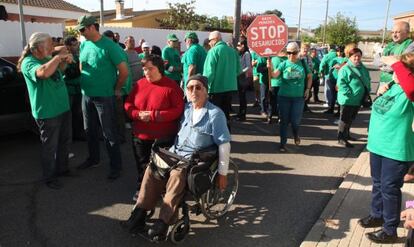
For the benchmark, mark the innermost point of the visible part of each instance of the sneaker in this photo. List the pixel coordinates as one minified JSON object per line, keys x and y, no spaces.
{"x":269,"y":120}
{"x":87,"y":164}
{"x":54,"y":185}
{"x":345,"y":143}
{"x":264,"y":115}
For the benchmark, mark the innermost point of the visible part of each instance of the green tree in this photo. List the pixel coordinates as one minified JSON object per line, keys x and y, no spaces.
{"x":182,"y":16}
{"x":340,"y":30}
{"x":273,"y":12}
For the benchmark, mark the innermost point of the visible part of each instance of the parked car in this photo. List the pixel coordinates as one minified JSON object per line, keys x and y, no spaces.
{"x":15,"y":113}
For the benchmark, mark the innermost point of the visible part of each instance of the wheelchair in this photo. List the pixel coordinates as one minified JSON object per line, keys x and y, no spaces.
{"x":213,"y":203}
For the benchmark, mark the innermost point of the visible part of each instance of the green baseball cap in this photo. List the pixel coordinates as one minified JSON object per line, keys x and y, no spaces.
{"x":84,"y":21}
{"x":172,"y":37}
{"x":191,"y":35}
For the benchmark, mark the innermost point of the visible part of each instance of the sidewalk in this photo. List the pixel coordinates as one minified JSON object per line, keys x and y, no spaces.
{"x":337,"y":225}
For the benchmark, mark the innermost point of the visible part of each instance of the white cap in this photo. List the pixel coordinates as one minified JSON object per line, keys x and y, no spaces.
{"x":145,"y":45}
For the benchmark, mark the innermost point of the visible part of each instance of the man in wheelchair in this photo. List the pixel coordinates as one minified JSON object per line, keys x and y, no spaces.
{"x":203,"y":125}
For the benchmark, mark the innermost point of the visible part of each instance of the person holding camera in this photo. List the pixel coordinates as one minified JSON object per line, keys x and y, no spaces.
{"x":49,"y":102}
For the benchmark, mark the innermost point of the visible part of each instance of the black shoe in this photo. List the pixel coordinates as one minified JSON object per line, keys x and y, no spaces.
{"x":370,"y":221}
{"x":68,"y":173}
{"x":345,"y":143}
{"x":241,"y":117}
{"x":297,"y":140}
{"x":113,"y":175}
{"x":329,"y":111}
{"x":282,"y":149}
{"x":87,"y":164}
{"x":380,"y":237}
{"x":352,"y":138}
{"x":158,"y":232}
{"x":54,"y":185}
{"x":269,"y":119}
{"x":136,"y":222}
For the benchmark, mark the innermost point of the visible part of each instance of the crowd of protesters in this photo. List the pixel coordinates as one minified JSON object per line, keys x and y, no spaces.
{"x":100,"y":87}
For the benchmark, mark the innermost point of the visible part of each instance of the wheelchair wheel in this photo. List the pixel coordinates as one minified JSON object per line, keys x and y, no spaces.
{"x":216,"y":203}
{"x":179,"y":231}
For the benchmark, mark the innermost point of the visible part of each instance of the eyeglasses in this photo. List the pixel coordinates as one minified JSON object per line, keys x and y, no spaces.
{"x":292,"y":52}
{"x":196,"y":87}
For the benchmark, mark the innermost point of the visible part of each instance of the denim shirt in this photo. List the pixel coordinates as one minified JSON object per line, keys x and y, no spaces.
{"x":210,"y":130}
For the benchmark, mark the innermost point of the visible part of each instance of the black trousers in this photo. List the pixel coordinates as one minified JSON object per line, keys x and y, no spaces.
{"x":242,"y":88}
{"x":347,"y":116}
{"x":142,"y":151}
{"x":315,"y":86}
{"x":223,"y":101}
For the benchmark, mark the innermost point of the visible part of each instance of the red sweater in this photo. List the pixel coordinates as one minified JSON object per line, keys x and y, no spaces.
{"x":164,"y":99}
{"x":406,"y":78}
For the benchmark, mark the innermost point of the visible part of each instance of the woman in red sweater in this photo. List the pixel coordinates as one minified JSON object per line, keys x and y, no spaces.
{"x":155,"y":105}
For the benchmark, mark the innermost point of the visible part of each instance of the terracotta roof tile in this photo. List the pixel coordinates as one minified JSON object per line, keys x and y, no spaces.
{"x":51,"y":4}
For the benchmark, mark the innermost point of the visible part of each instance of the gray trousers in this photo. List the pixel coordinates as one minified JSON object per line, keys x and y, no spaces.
{"x":55,"y":135}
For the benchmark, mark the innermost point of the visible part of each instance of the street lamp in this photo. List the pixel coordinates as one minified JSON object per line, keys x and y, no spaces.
{"x":386,"y":21}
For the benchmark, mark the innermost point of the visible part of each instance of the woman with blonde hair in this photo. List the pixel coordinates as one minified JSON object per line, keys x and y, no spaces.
{"x":49,"y":102}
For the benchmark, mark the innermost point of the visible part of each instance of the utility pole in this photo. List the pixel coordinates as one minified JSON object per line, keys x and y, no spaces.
{"x":101,"y":21}
{"x":300,"y":15}
{"x":22,"y":28}
{"x":326,"y":23}
{"x":236,"y":24}
{"x":386,"y":22}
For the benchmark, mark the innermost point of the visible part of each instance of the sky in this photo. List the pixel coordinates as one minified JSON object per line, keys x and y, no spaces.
{"x":369,"y":14}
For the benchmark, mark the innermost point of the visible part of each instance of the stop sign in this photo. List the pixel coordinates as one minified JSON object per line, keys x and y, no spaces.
{"x":267,"y":35}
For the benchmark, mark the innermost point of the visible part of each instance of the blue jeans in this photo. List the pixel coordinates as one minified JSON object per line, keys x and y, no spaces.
{"x":264,"y":90}
{"x":328,"y":91}
{"x":101,"y":111}
{"x":290,"y":111}
{"x":387,"y":180}
{"x":55,"y":137}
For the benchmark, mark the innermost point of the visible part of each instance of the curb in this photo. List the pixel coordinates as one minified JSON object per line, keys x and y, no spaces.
{"x":317,"y":232}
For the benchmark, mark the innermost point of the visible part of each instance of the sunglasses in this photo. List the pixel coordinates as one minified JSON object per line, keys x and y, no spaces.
{"x":196,"y":87}
{"x":292,"y":52}
{"x":82,"y":30}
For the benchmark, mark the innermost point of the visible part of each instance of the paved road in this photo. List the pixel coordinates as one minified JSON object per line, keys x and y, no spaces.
{"x":280,"y":195}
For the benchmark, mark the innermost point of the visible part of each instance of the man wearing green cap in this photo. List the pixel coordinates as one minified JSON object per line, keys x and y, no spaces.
{"x":171,"y":58}
{"x":103,"y":73}
{"x":193,"y":59}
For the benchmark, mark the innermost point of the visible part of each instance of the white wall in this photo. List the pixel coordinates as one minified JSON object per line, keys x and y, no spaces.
{"x":370,"y":49}
{"x":158,"y":37}
{"x":10,"y":39}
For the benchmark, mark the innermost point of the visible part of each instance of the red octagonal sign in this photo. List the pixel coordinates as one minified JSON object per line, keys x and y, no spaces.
{"x":267,"y":35}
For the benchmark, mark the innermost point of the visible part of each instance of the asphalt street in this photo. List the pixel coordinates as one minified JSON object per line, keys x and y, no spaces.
{"x":280,"y":195}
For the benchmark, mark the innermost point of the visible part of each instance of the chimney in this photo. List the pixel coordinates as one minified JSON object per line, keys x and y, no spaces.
{"x":119,"y":9}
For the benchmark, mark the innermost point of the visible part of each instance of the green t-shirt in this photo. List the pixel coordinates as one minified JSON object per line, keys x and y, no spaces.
{"x":195,"y":55}
{"x":315,"y":70}
{"x":126,"y":88}
{"x":99,"y":62}
{"x":393,"y":49}
{"x":350,"y":88}
{"x":293,"y":76}
{"x":72,"y":77}
{"x":275,"y":62}
{"x":390,"y":127}
{"x":222,"y":66}
{"x":255,"y":57}
{"x":171,"y":57}
{"x":49,"y":97}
